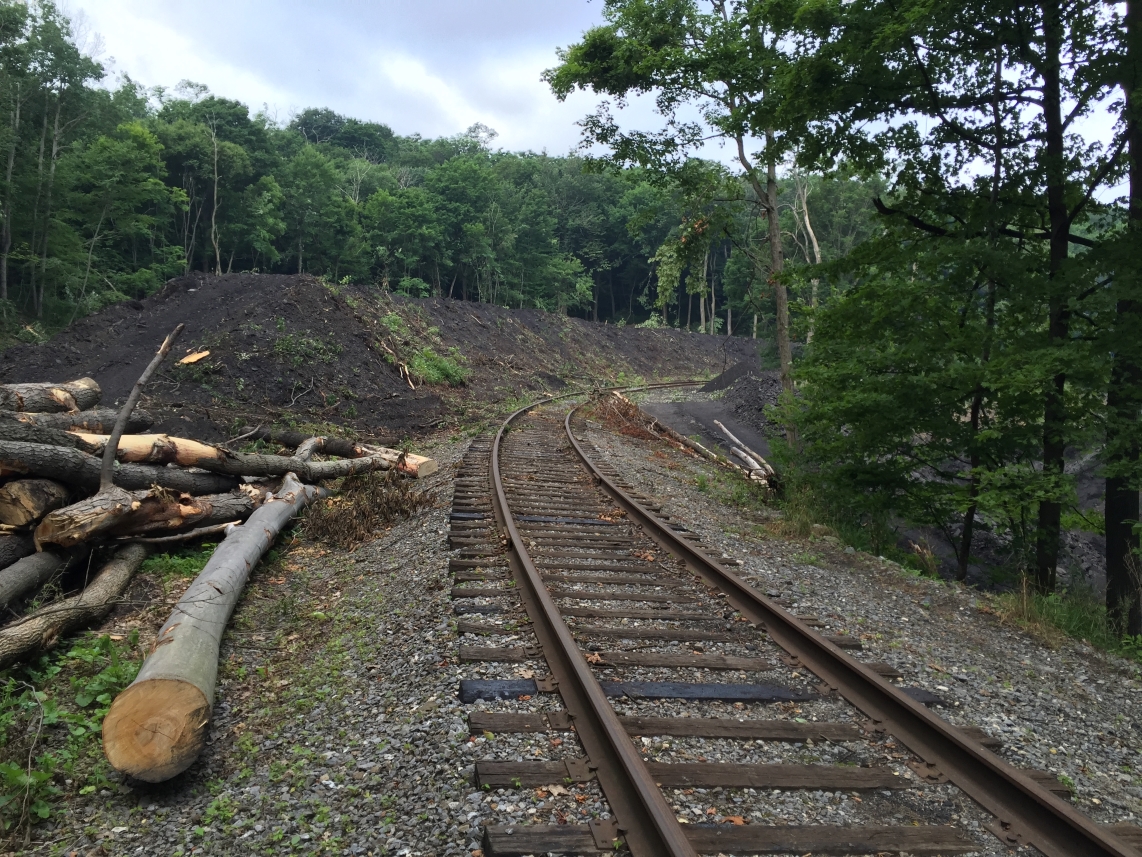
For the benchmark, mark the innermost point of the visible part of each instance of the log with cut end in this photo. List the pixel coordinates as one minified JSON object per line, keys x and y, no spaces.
{"x":157,"y":727}
{"x":75,"y":467}
{"x":34,"y":571}
{"x":42,"y":629}
{"x":122,"y":513}
{"x":163,"y":449}
{"x":50,"y":398}
{"x":14,"y":546}
{"x":98,"y":420}
{"x":24,"y":502}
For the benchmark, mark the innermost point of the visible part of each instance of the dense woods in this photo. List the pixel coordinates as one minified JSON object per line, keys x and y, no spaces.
{"x":982,"y":345}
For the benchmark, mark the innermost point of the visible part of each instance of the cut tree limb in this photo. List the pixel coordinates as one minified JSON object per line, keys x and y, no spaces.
{"x":75,"y":467}
{"x":43,"y":628}
{"x":14,"y":546}
{"x":293,"y":439}
{"x":157,"y":727}
{"x":759,"y":462}
{"x":161,"y":448}
{"x":25,"y":501}
{"x":50,"y":398}
{"x":143,"y":512}
{"x":98,"y":420}
{"x":34,"y":571}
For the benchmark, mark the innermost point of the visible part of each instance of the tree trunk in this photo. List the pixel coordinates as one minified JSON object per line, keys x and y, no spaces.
{"x":141,"y":512}
{"x":32,"y":572}
{"x":25,"y":502}
{"x":46,"y":626}
{"x":331,"y":445}
{"x":98,"y":420}
{"x":50,"y":398}
{"x":75,"y":467}
{"x":776,"y":264}
{"x":6,"y":232}
{"x":23,"y":433}
{"x":755,"y":325}
{"x":14,"y":546}
{"x":162,"y":449}
{"x":1124,"y":397}
{"x":1058,"y":332}
{"x":214,"y":208}
{"x":38,"y":296}
{"x":157,"y":727}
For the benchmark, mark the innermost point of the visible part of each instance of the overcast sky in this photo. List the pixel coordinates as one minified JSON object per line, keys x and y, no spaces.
{"x":432,"y":67}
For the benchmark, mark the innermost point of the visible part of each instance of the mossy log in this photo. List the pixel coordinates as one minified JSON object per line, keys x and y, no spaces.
{"x":41,"y":630}
{"x":75,"y":467}
{"x":98,"y":420}
{"x":24,"y":502}
{"x":163,"y":449}
{"x":157,"y":726}
{"x":34,"y":571}
{"x":50,"y":398}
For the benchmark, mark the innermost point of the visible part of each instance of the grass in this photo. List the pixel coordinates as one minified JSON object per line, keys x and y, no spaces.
{"x":431,"y":368}
{"x":1079,"y":615}
{"x":185,"y":563}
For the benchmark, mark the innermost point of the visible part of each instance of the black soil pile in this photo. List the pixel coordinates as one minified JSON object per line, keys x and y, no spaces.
{"x":292,"y":350}
{"x":750,"y":394}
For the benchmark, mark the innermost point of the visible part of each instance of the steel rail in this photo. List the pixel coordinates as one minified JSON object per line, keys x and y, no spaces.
{"x":645,"y":819}
{"x":1026,"y":813}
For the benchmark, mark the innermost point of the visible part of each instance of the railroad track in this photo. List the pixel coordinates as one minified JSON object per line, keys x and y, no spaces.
{"x":620,"y":630}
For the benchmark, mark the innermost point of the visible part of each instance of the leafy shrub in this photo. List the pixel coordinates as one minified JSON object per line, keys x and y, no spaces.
{"x":395,"y":323}
{"x":428,"y":367}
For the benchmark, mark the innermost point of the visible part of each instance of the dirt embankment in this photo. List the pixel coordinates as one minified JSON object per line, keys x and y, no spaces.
{"x":293,"y":350}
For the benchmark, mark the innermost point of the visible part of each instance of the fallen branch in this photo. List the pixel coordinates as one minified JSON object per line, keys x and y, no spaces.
{"x":157,"y":726}
{"x":34,"y":571}
{"x":14,"y":546}
{"x":333,"y":445}
{"x":41,"y":630}
{"x":50,"y":398}
{"x":745,"y":453}
{"x":99,"y":420}
{"x":188,"y":536}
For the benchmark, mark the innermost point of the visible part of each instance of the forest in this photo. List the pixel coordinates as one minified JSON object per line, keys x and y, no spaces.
{"x":932,"y":222}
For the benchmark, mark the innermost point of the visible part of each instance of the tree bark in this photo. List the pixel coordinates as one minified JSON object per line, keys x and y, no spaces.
{"x":98,"y":420}
{"x":42,"y":629}
{"x":15,"y":546}
{"x":332,"y":445}
{"x":162,"y":449}
{"x":50,"y":398}
{"x":143,"y":512}
{"x":157,"y":727}
{"x":24,"y":502}
{"x":75,"y":467}
{"x":34,"y":571}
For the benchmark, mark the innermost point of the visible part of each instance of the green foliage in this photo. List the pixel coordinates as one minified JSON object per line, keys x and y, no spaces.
{"x":1077,"y":614}
{"x":431,"y":368}
{"x":51,"y":715}
{"x":185,"y":563}
{"x":297,"y":350}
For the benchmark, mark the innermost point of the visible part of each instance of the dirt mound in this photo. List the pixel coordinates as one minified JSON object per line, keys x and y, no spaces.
{"x":750,"y":394}
{"x":294,"y":350}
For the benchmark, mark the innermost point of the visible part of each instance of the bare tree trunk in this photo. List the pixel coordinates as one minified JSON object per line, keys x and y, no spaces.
{"x":214,"y":209}
{"x":39,"y":191}
{"x":776,"y":264}
{"x":38,"y":294}
{"x":755,"y":325}
{"x":6,"y":232}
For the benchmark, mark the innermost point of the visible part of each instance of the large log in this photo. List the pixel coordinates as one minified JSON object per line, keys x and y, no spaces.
{"x":14,"y":546}
{"x":75,"y":467}
{"x":142,"y":512}
{"x":26,"y":501}
{"x":163,"y":449}
{"x":157,"y":726}
{"x":98,"y":420}
{"x":43,"y":628}
{"x":34,"y":571}
{"x":50,"y":398}
{"x":22,"y":432}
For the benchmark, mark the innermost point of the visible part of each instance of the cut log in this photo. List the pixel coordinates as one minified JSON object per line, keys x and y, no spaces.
{"x":333,"y":445}
{"x":14,"y":546}
{"x":157,"y":726}
{"x":75,"y":467}
{"x":50,"y":398}
{"x":98,"y":420}
{"x":24,"y":502}
{"x":34,"y":571}
{"x":163,"y":449}
{"x":140,"y":512}
{"x":43,"y":628}
{"x":23,"y":433}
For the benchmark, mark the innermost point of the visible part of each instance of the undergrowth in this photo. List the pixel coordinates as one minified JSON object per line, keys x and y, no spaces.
{"x":364,"y":504}
{"x":428,"y":367}
{"x":51,"y":716}
{"x":1077,"y":614}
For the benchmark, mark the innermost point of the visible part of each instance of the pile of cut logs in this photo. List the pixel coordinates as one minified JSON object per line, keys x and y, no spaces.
{"x":78,"y":482}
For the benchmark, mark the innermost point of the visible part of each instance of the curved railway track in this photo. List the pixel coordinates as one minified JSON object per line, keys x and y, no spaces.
{"x":632,"y":619}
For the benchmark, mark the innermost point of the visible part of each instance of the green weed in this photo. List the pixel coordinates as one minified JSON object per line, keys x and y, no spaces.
{"x":185,"y":563}
{"x":428,"y":367}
